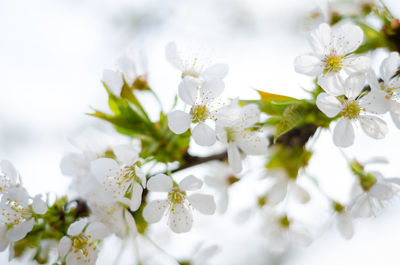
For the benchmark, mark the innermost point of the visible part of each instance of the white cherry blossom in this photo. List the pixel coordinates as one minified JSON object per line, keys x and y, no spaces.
{"x":283,"y":186}
{"x":355,"y":106}
{"x":122,"y":182}
{"x":79,"y":247}
{"x":371,"y":192}
{"x":236,"y":127}
{"x":113,"y":215}
{"x":344,"y":220}
{"x":200,"y":101}
{"x":221,"y":177}
{"x":390,"y":85}
{"x":8,"y":176}
{"x":17,"y":215}
{"x":208,"y":77}
{"x":332,"y":55}
{"x":283,"y":232}
{"x":178,"y":204}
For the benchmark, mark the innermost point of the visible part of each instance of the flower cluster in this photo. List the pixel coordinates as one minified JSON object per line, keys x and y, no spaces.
{"x":343,"y":75}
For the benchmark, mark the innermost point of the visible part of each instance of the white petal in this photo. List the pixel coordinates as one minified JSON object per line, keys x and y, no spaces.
{"x":18,"y":232}
{"x":211,"y":89}
{"x":74,"y":165}
{"x":173,"y":57}
{"x":179,"y":121}
{"x":347,"y":38}
{"x":187,"y":90}
{"x":361,"y":207}
{"x":300,"y":237}
{"x":331,"y":83}
{"x":113,"y":80}
{"x":375,"y":102}
{"x":9,"y":170}
{"x":395,"y":113}
{"x":203,"y":134}
{"x":131,"y":223}
{"x":328,"y":104}
{"x":160,"y":182}
{"x":76,"y":227}
{"x":141,"y":175}
{"x":38,"y":205}
{"x":180,"y":219}
{"x":320,"y":39}
{"x":136,"y":198}
{"x":103,"y":168}
{"x":345,"y":226}
{"x":381,"y":191}
{"x":234,"y":158}
{"x":97,"y":230}
{"x":299,"y":193}
{"x":126,"y":153}
{"x":357,"y":64}
{"x":11,"y":253}
{"x":190,"y":183}
{"x":373,"y":80}
{"x":127,"y":67}
{"x":354,"y":84}
{"x":154,"y":211}
{"x":389,"y":66}
{"x":64,"y":246}
{"x":249,"y":115}
{"x":343,"y":134}
{"x":4,"y":242}
{"x":253,"y":144}
{"x":277,"y":193}
{"x":216,"y":71}
{"x":308,"y":65}
{"x":373,"y":126}
{"x":203,"y":203}
{"x":18,"y":194}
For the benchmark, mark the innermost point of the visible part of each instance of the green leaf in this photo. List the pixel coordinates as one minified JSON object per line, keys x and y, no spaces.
{"x":293,"y":116}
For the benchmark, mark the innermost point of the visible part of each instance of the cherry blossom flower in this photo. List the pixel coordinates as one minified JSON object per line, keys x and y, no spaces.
{"x":8,"y":176}
{"x":344,"y":220}
{"x":200,"y":100}
{"x":178,"y":204}
{"x":390,"y":85}
{"x":283,"y":186}
{"x":124,"y":181}
{"x":371,"y":191}
{"x":240,"y":132}
{"x":221,"y":178}
{"x":17,"y":215}
{"x":283,"y":231}
{"x":333,"y":48}
{"x":209,"y":78}
{"x":355,"y":106}
{"x":113,"y":215}
{"x":79,"y":247}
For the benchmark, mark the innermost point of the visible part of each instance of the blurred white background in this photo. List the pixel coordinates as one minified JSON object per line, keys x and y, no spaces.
{"x":53,"y":52}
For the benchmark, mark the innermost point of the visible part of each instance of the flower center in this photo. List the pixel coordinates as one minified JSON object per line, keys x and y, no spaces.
{"x":351,"y":109}
{"x":337,"y":207}
{"x":199,"y":113}
{"x":14,"y":213}
{"x":176,"y":196}
{"x":367,"y":181}
{"x":333,"y":63}
{"x":284,"y":222}
{"x":84,"y":245}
